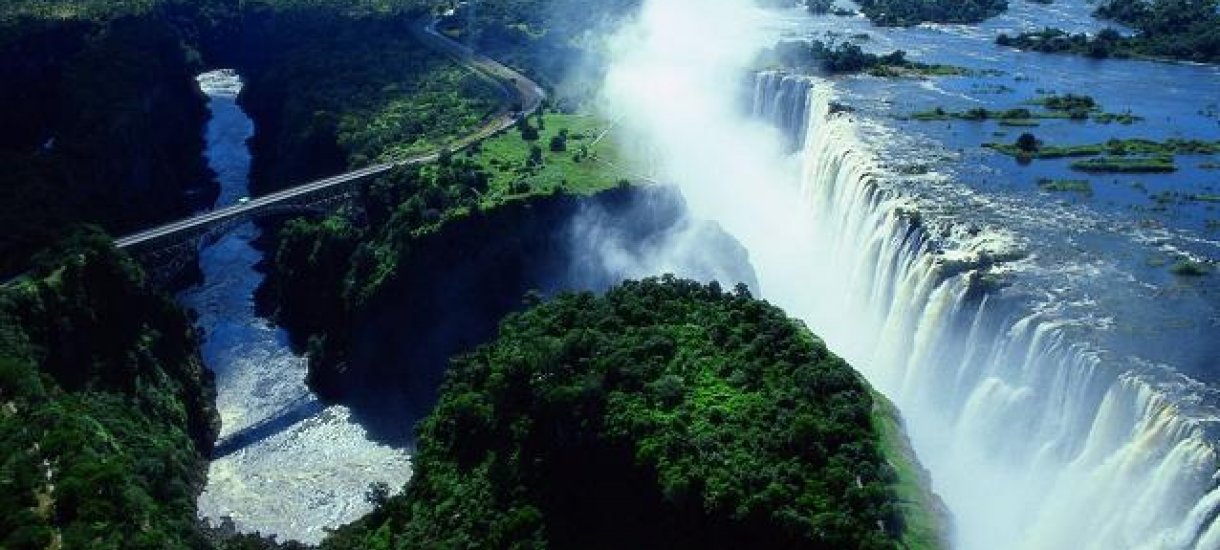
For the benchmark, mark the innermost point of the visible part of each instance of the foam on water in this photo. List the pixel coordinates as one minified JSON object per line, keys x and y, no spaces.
{"x":288,"y":465}
{"x":1035,"y":438}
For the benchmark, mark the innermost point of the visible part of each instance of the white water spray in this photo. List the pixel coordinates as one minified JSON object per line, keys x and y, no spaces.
{"x":1035,"y":440}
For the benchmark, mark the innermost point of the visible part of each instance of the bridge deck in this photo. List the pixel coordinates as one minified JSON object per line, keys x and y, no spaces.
{"x":528,"y":93}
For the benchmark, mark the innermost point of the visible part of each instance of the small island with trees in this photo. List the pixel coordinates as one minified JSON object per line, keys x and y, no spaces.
{"x":1166,"y":29}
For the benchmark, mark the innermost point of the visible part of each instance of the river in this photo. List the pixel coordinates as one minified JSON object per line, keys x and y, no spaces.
{"x":285,"y":464}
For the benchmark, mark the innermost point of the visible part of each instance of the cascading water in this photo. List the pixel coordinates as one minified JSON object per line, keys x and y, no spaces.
{"x":285,"y":464}
{"x":1034,"y":440}
{"x":783,"y":99}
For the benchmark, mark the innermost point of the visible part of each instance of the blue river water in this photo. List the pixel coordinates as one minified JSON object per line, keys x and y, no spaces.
{"x":1108,"y":252}
{"x":285,"y":464}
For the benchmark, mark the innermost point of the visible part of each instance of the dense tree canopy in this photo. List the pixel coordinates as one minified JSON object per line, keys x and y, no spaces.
{"x":1174,"y":29}
{"x":330,"y":91}
{"x":106,"y":411}
{"x":902,"y":13}
{"x":663,"y":414}
{"x":102,"y":121}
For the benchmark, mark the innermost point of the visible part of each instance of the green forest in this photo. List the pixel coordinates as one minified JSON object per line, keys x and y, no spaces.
{"x":331,"y":97}
{"x":105,"y":120}
{"x":664,"y":413}
{"x":1169,"y":29}
{"x":905,"y":13}
{"x":102,"y":122}
{"x":105,"y":408}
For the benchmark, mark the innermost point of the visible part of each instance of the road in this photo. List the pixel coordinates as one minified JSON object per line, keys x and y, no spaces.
{"x":522,"y":95}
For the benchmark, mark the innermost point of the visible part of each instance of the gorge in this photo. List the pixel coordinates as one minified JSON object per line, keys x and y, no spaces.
{"x":620,"y":320}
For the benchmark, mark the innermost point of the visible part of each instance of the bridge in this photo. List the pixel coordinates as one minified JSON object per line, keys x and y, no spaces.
{"x":166,"y":244}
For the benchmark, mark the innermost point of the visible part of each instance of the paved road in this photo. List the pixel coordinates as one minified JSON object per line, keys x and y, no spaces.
{"x":522,"y":96}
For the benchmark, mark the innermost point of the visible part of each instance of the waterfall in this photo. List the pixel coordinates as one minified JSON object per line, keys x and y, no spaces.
{"x":783,"y":100}
{"x":1035,"y":438}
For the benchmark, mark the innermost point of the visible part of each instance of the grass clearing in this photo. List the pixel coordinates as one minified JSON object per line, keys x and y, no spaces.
{"x":584,"y":166}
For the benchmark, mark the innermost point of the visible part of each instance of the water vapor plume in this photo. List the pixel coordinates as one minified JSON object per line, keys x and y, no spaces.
{"x":675,"y":83}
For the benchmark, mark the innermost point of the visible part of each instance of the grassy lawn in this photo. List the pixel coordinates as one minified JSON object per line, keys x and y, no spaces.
{"x":507,"y":158}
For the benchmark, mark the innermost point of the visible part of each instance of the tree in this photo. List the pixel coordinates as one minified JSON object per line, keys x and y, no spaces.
{"x":559,"y":142}
{"x":528,"y":131}
{"x":1027,"y":142}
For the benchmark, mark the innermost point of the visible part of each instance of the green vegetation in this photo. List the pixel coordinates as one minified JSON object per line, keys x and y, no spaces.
{"x":329,"y":97}
{"x":1173,"y":29}
{"x":1068,"y":106}
{"x":1116,"y":155}
{"x":557,"y":43}
{"x":848,"y":57}
{"x":1081,"y":187}
{"x":412,"y":202}
{"x":105,"y":408}
{"x":578,"y":162}
{"x":1189,"y":268}
{"x":925,"y":518}
{"x":905,"y":13}
{"x":1068,"y":102}
{"x":340,"y":265}
{"x":1107,"y":43}
{"x":102,"y":119}
{"x":1142,"y":165}
{"x":665,"y":413}
{"x":1120,"y":147}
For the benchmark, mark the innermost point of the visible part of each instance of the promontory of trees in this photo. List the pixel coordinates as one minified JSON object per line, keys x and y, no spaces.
{"x":665,"y":413}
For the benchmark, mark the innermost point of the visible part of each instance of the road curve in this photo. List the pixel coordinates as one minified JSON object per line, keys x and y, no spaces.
{"x":523,"y":96}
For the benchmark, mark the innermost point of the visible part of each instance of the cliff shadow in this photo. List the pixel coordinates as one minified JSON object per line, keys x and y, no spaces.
{"x":460,"y":282}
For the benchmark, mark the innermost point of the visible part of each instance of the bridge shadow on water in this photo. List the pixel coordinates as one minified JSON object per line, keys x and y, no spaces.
{"x":302,"y":408}
{"x":387,"y":421}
